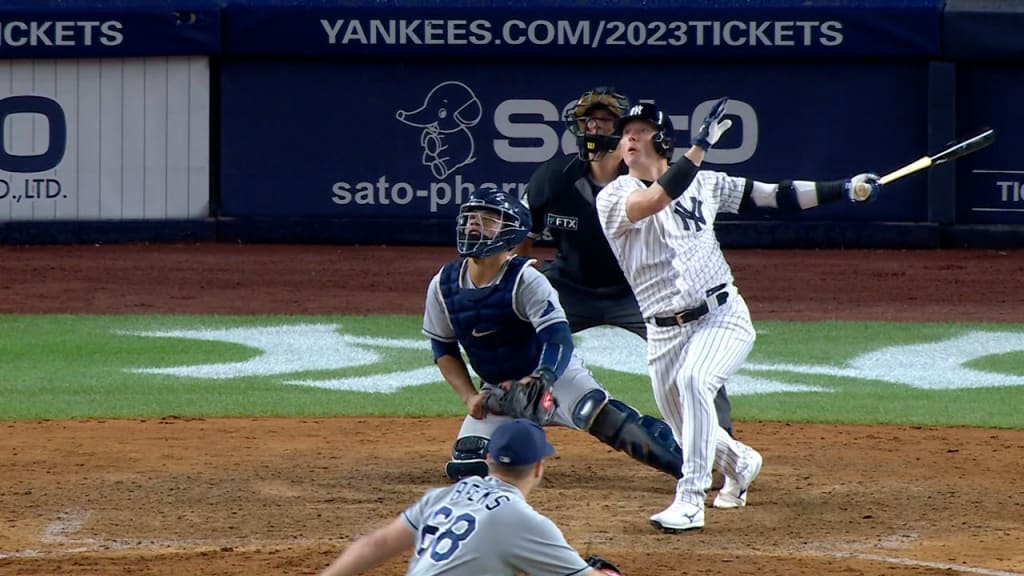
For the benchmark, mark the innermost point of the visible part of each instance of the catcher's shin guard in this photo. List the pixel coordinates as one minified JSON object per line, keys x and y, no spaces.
{"x":469,"y":458}
{"x":644,"y":438}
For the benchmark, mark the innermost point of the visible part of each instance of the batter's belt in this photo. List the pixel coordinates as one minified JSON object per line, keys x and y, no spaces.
{"x":717,"y":295}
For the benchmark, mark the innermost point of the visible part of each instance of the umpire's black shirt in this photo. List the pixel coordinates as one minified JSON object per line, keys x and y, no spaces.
{"x":561,"y":198}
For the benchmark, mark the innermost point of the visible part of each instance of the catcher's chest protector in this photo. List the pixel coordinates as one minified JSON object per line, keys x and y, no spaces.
{"x":500,"y":345}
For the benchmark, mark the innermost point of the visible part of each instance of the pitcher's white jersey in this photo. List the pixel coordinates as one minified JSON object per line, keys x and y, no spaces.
{"x":484,"y":527}
{"x":672,"y":257}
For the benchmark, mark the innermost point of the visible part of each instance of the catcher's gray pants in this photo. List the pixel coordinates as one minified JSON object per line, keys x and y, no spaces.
{"x":574,"y":383}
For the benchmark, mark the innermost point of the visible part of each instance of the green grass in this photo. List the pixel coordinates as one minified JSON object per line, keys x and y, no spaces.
{"x":62,"y":366}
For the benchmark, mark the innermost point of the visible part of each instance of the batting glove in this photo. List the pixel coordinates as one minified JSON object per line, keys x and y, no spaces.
{"x":863,"y":187}
{"x":713,"y":126}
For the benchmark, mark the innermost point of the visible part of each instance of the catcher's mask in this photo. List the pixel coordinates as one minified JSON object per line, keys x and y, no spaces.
{"x":491,"y":221}
{"x":577,"y":116}
{"x":649,"y":113}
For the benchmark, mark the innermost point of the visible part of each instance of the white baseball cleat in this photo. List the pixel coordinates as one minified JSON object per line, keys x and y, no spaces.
{"x":679,"y":517}
{"x":734,"y":491}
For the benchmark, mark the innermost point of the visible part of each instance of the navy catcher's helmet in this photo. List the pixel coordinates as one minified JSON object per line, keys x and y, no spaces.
{"x":650,"y":113}
{"x":576,"y":119}
{"x":509,"y":218}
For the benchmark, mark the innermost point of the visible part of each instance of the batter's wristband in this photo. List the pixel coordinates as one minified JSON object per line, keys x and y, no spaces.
{"x":831,"y":191}
{"x":678,"y":177}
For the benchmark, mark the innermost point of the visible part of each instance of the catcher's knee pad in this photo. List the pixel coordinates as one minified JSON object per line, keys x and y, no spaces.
{"x":469,"y":458}
{"x":587,"y":408}
{"x":644,"y":438}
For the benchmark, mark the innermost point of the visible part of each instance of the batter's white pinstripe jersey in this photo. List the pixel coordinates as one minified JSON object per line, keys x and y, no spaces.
{"x":672,"y":257}
{"x":671,"y":260}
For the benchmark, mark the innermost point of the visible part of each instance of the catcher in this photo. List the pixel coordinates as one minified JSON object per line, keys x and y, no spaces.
{"x":506,"y":317}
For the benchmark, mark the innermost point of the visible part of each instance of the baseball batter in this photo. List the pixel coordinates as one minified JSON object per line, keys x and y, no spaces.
{"x":659,"y":220}
{"x":508,"y":320}
{"x":479,"y":525}
{"x":561,"y":197}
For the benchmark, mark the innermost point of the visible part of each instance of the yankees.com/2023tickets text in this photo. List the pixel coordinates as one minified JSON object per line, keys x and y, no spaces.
{"x":592,"y":33}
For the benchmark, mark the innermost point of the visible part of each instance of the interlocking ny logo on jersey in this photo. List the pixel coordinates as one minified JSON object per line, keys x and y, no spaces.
{"x":696,"y":214}
{"x":563,"y":222}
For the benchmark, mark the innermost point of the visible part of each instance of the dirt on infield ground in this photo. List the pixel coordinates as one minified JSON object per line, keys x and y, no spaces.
{"x":177,"y":496}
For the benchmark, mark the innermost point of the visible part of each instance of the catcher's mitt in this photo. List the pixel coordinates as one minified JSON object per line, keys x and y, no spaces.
{"x":531,"y":399}
{"x":602,"y":565}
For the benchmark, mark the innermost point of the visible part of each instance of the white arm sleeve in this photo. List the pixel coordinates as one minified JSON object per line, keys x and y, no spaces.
{"x":766,"y":195}
{"x":436,"y":323}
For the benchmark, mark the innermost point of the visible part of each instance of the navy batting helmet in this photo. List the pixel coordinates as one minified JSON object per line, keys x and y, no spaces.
{"x":649,"y":112}
{"x":491,"y":221}
{"x":576,"y":119}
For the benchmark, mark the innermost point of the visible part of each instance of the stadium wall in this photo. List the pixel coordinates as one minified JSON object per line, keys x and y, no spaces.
{"x":368,"y":122}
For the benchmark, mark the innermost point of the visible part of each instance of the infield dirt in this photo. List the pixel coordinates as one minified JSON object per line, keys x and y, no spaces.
{"x":268,"y":495}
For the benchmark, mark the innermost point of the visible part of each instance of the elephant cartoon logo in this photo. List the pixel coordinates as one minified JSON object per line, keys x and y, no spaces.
{"x":448,"y":111}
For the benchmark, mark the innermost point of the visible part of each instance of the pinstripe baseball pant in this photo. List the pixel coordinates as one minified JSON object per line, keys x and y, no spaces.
{"x":688,"y":365}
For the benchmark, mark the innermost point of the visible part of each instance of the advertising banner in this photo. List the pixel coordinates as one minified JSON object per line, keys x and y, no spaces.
{"x":389,"y":141}
{"x":973,"y":30}
{"x":564,"y":29}
{"x":990,"y":183}
{"x":91,"y":29}
{"x":110,"y":139}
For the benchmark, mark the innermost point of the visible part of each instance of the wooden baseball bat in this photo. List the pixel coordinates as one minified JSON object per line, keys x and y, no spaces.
{"x":916,"y":165}
{"x":957,"y":150}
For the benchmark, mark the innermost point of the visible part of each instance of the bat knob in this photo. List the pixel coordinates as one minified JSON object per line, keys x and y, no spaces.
{"x":862,"y":186}
{"x":861,"y":191}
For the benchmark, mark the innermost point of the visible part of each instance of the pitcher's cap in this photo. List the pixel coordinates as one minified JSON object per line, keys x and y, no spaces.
{"x":518,"y":443}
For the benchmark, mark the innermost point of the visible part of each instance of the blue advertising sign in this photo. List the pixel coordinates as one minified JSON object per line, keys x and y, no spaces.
{"x":373,"y":140}
{"x":569,"y":29}
{"x":990,"y":183}
{"x":973,"y":30}
{"x":56,"y":134}
{"x":111,"y":28}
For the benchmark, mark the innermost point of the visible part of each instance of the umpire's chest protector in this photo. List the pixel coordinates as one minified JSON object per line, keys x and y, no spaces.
{"x":500,"y":345}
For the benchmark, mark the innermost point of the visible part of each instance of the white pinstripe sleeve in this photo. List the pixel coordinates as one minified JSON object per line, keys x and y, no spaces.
{"x":537,"y":301}
{"x":611,"y":206}
{"x":436,"y":323}
{"x":726,"y":190}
